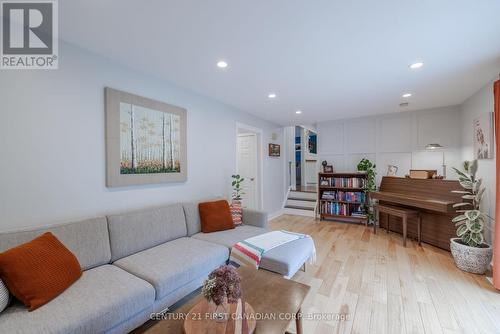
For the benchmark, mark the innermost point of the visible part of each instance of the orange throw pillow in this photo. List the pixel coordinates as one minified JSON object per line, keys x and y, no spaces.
{"x":215,"y":216}
{"x":38,"y":271}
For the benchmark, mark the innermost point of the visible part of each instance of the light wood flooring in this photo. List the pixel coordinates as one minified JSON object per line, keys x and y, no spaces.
{"x":383,"y":287}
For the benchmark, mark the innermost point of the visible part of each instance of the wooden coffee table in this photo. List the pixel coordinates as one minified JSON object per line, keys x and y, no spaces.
{"x":271,"y":296}
{"x":200,"y":319}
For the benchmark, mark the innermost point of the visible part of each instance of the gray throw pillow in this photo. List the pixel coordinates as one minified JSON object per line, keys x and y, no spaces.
{"x":4,"y":296}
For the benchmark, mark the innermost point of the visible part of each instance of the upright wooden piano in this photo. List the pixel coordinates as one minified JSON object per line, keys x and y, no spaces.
{"x":432,"y":197}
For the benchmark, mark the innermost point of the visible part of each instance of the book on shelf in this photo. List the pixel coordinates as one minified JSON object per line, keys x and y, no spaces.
{"x":346,"y":196}
{"x":342,"y":182}
{"x":342,"y":209}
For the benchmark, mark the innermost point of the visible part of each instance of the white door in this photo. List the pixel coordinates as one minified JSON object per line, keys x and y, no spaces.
{"x":247,"y":168}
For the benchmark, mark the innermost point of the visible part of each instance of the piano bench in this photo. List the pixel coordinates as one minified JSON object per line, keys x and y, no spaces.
{"x":402,"y":213}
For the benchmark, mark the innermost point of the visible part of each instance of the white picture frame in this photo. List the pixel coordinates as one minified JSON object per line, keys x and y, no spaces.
{"x":156,"y":153}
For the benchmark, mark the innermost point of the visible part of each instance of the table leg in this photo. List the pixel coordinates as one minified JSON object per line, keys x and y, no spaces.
{"x":388,"y":218}
{"x":404,"y":230}
{"x":377,"y":219}
{"x":298,"y":322}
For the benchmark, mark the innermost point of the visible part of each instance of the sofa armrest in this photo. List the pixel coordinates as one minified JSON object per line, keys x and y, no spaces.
{"x":254,"y":218}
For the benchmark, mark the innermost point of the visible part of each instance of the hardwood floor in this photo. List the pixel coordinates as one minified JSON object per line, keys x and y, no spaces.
{"x":383,"y":287}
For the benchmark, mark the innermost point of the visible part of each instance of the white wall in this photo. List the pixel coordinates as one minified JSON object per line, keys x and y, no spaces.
{"x":397,"y":139}
{"x":480,"y":103}
{"x":53,"y":151}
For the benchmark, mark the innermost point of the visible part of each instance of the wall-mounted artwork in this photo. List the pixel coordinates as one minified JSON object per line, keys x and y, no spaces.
{"x":274,"y":150}
{"x":145,"y":140}
{"x":483,"y":137}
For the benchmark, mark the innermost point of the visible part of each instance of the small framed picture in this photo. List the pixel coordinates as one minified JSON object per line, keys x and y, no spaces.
{"x":328,"y":169}
{"x":392,"y":170}
{"x":483,"y":136}
{"x":274,"y":150}
{"x":324,"y":183}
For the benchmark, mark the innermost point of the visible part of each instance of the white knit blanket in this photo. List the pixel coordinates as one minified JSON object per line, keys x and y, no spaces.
{"x":251,"y":250}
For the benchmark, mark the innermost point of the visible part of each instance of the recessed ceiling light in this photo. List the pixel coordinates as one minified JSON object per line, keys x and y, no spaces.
{"x":407,"y":95}
{"x":414,"y":66}
{"x":271,"y":96}
{"x":222,"y":64}
{"x":298,"y":112}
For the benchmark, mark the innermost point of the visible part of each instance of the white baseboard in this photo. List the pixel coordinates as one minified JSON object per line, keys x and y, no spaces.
{"x":273,"y":215}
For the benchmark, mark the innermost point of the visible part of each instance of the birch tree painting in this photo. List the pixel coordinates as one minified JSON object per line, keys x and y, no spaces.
{"x":149,"y":140}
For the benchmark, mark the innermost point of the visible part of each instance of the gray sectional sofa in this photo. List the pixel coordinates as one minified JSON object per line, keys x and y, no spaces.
{"x":133,"y":264}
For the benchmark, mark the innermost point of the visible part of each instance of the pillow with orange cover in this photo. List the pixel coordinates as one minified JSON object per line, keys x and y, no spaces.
{"x":38,"y":271}
{"x":215,"y":216}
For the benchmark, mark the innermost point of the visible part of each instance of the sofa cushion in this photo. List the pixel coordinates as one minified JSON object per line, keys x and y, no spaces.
{"x":215,"y":216}
{"x":133,"y":232}
{"x":87,"y":239}
{"x":102,"y":298}
{"x":171,"y":265}
{"x":38,"y":271}
{"x":192,"y":218}
{"x":192,"y":214}
{"x":229,"y":237}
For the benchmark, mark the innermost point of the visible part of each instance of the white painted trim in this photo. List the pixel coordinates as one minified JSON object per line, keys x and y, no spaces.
{"x":260,"y":156}
{"x":286,"y":197}
{"x":285,"y":165}
{"x":274,"y":215}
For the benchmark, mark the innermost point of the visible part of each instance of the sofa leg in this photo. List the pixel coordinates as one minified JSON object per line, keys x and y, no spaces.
{"x":303,"y":268}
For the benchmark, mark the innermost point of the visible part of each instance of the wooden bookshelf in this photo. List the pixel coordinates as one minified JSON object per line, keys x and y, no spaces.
{"x":342,"y":197}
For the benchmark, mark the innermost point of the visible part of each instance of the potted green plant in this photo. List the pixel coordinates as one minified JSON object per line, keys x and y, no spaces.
{"x":236,"y":210}
{"x":469,"y":249}
{"x":369,"y":167}
{"x":237,"y":188}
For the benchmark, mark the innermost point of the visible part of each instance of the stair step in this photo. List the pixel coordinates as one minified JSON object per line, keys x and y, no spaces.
{"x":298,"y":212}
{"x":298,"y":207}
{"x":301,"y":203}
{"x":302,"y":199}
{"x":303,"y":195}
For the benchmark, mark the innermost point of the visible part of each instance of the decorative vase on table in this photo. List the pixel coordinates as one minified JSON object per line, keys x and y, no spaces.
{"x":221,"y":288}
{"x":220,"y":312}
{"x":470,"y":252}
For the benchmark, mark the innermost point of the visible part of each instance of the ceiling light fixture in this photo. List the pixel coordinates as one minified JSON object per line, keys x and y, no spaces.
{"x":298,"y":112}
{"x":222,"y":64}
{"x":271,"y":96}
{"x":414,"y":66}
{"x":407,"y":95}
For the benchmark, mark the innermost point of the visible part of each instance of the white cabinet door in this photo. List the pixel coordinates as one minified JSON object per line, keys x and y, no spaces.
{"x":247,"y":168}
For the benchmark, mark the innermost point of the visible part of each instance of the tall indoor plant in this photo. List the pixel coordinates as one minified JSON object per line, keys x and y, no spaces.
{"x":369,"y":167}
{"x":469,"y":250}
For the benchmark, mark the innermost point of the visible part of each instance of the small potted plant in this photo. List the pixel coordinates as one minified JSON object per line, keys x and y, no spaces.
{"x":469,"y":250}
{"x":236,"y":209}
{"x":222,"y":287}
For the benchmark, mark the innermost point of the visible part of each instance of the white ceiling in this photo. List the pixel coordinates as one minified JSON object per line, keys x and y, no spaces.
{"x":332,"y":59}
